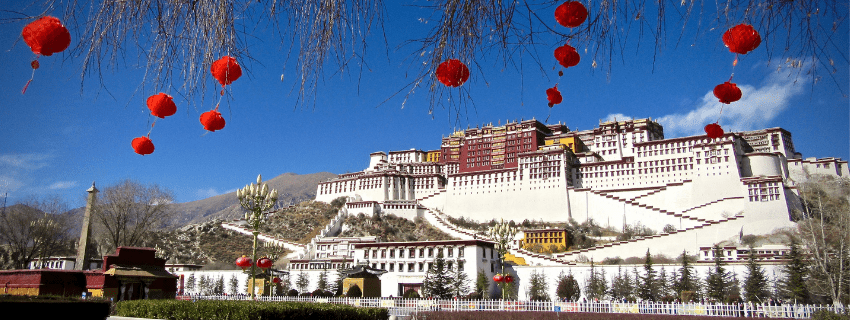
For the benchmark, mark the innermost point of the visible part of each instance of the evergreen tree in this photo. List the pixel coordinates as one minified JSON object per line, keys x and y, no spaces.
{"x":794,"y":284}
{"x":302,"y":282}
{"x":568,"y":287}
{"x":322,"y":283}
{"x":482,"y":284}
{"x":596,"y":287}
{"x":340,"y":276}
{"x":234,"y":285}
{"x":460,"y":285}
{"x":537,"y":290}
{"x":717,"y":282}
{"x":190,"y":283}
{"x":648,"y":288}
{"x":685,"y":285}
{"x":621,"y":286}
{"x":733,"y":289}
{"x":755,"y":282}
{"x":663,"y":285}
{"x":438,"y":280}
{"x":219,"y":285}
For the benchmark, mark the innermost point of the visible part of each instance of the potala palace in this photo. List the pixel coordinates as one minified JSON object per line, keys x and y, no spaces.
{"x":622,"y":172}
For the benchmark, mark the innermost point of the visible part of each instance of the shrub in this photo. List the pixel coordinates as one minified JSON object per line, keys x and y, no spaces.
{"x":54,"y":306}
{"x":828,"y":315}
{"x":354,"y":292}
{"x":215,"y":310}
{"x":411,"y":294}
{"x":292,"y":293}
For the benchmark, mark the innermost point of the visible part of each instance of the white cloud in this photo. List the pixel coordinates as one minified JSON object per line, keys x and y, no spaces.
{"x":211,"y":192}
{"x":756,"y":109}
{"x":617,"y":117}
{"x":63,"y":185}
{"x":27,"y":161}
{"x":8,"y":183}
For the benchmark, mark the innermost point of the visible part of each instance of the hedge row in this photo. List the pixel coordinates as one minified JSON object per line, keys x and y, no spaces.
{"x":244,"y":310}
{"x":53,"y":307}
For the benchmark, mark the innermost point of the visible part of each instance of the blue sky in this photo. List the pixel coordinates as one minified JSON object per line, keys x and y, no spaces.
{"x":57,"y":139}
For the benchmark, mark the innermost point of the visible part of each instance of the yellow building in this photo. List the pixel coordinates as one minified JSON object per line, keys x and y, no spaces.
{"x":433,"y":156}
{"x":547,"y":238}
{"x":573,"y":142}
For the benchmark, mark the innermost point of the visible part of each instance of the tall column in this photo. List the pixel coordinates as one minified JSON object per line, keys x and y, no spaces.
{"x":82,"y":262}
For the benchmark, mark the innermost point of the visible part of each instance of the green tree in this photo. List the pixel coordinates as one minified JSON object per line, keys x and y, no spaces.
{"x":190,"y":283}
{"x":685,"y":285}
{"x":322,"y":283}
{"x":596,"y":287}
{"x":537,"y":287}
{"x":621,"y":286}
{"x":755,"y":281}
{"x":460,"y":284}
{"x":793,"y":285}
{"x":717,"y":281}
{"x":219,"y":285}
{"x":663,"y":286}
{"x":234,"y":285}
{"x":482,"y":284}
{"x":438,"y":280}
{"x":733,"y":289}
{"x":648,"y":287}
{"x":568,"y":287}
{"x":302,"y":282}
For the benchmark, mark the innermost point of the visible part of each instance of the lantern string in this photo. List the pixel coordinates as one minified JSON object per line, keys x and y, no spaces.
{"x":721,"y":113}
{"x":151,"y":129}
{"x":24,"y":90}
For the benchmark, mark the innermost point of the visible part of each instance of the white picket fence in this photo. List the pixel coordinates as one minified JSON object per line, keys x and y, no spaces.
{"x":406,"y":307}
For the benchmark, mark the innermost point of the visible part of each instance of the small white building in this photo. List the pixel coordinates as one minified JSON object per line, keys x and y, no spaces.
{"x":407,"y":263}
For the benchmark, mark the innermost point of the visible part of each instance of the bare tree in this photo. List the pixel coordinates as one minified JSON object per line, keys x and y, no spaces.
{"x":34,"y":229}
{"x":128,"y":212}
{"x":824,"y":231}
{"x":177,"y":40}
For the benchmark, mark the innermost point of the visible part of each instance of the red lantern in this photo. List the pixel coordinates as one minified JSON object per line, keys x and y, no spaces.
{"x":727,"y":92}
{"x":276,"y":280}
{"x":497,"y":278}
{"x":452,"y":73}
{"x":571,"y":14}
{"x":264,"y":263}
{"x":161,"y":105}
{"x":226,"y":70}
{"x":554,"y":96}
{"x":143,"y":145}
{"x":243,"y":262}
{"x":509,"y":279}
{"x":46,"y":36}
{"x":567,"y":56}
{"x":212,"y":120}
{"x":742,"y":38}
{"x":713,"y":130}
